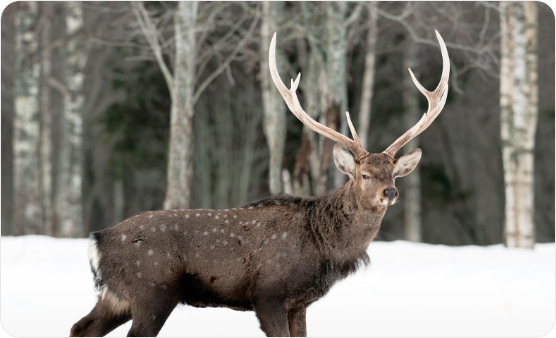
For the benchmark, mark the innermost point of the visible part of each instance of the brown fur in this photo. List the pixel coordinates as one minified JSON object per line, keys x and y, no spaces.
{"x":275,"y":256}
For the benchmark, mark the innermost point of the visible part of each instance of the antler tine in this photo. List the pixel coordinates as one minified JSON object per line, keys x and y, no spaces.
{"x":290,"y":96}
{"x":436,"y":99}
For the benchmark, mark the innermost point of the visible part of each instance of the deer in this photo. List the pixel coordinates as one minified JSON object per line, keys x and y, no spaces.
{"x":275,"y":256}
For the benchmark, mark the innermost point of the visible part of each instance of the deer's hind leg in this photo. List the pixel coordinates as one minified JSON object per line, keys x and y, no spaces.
{"x":150,"y":313}
{"x":109,"y":313}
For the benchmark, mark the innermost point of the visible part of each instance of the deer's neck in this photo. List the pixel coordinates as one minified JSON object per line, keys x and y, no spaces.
{"x":341,"y":227}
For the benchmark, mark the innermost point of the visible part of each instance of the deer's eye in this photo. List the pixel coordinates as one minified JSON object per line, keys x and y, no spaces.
{"x":365,"y":177}
{"x":394,"y":176}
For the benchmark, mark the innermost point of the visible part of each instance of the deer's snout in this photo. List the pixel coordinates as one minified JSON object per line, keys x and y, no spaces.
{"x":390,"y":193}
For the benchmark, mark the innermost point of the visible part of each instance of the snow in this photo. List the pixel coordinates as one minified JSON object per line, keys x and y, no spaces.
{"x":410,"y":289}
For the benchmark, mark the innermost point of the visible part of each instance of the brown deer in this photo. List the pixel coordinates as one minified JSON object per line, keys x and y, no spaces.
{"x":275,"y":256}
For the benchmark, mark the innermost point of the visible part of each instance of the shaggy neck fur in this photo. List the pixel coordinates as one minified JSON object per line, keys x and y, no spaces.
{"x":341,"y":230}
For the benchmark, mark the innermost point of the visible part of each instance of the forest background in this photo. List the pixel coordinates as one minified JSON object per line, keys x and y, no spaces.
{"x":93,"y":91}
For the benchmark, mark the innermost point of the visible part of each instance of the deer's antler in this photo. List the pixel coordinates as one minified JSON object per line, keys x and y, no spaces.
{"x":436,"y":99}
{"x":292,"y":101}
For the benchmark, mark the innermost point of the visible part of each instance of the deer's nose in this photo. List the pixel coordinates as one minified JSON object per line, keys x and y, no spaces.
{"x":390,"y":193}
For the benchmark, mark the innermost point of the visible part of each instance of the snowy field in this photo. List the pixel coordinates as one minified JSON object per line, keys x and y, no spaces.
{"x":409,"y":290}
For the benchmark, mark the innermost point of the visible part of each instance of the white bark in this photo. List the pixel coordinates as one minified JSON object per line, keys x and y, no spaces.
{"x":519,"y":110}
{"x":273,"y":105}
{"x":47,"y":197}
{"x":336,"y":88}
{"x":180,"y":165}
{"x":69,"y":201}
{"x":412,"y":199}
{"x":27,"y":215}
{"x":368,"y":76}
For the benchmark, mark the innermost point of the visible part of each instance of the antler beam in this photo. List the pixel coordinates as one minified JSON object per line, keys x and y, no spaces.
{"x":436,"y":99}
{"x":292,"y":101}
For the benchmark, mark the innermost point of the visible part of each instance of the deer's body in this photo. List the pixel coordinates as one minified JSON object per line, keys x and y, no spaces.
{"x":275,"y":256}
{"x":290,"y":249}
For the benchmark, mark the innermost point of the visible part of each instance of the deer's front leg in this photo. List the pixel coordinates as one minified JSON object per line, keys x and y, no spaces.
{"x":297,"y":323}
{"x":272,"y":316}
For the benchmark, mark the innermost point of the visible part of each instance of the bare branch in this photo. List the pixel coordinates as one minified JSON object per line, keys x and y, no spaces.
{"x":229,"y":59}
{"x":150,"y":32}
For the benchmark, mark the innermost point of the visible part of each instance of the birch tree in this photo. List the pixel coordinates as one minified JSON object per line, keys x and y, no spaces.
{"x":369,"y":74}
{"x":273,"y":105}
{"x":46,"y":173}
{"x":518,"y":117}
{"x":336,"y":89}
{"x":183,"y":87}
{"x":8,"y":113}
{"x":27,"y":215}
{"x":69,"y":198}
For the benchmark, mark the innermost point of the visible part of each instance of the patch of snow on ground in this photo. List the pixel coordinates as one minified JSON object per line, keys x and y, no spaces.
{"x":415,"y":290}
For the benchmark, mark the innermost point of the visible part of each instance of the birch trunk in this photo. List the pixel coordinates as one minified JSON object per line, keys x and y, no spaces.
{"x":519,"y":111}
{"x":336,"y":46}
{"x":69,"y":202}
{"x":368,"y":76}
{"x":46,"y":120}
{"x":8,"y":113}
{"x":412,"y":191}
{"x":273,"y":105}
{"x":27,"y":215}
{"x":311,"y":90}
{"x":180,"y":161}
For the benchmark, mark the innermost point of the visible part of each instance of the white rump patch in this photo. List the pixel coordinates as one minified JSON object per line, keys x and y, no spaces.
{"x":94,"y":255}
{"x":117,"y":304}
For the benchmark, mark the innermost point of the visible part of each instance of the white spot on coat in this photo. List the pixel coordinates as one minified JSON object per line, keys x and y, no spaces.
{"x":273,"y":236}
{"x":163,"y":228}
{"x":123,"y":237}
{"x":197,"y":214}
{"x":205,"y":233}
{"x":153,"y":229}
{"x":216,"y":217}
{"x":284,"y":235}
{"x":232,"y":235}
{"x":150,"y":252}
{"x":187,"y":216}
{"x":138,"y":263}
{"x":141,"y":227}
{"x":151,"y":216}
{"x":227,"y":222}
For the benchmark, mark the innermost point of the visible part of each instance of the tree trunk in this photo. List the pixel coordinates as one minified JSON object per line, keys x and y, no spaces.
{"x":69,"y":199}
{"x":336,"y":88}
{"x":8,"y":113}
{"x":27,"y":210}
{"x":518,"y":116}
{"x":412,"y":191}
{"x":368,"y":76}
{"x":46,"y":120}
{"x":180,"y":158}
{"x":273,"y":105}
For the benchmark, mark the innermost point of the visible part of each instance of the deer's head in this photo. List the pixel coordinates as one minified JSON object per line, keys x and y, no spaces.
{"x":372,"y":176}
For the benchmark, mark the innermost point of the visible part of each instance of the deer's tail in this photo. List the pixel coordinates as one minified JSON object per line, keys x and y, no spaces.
{"x":94,"y":259}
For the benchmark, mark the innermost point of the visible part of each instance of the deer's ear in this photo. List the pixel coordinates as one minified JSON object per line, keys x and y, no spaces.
{"x":406,"y":163}
{"x":344,"y":160}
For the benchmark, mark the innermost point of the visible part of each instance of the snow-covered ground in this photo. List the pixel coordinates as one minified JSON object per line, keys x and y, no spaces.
{"x":414,"y":290}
